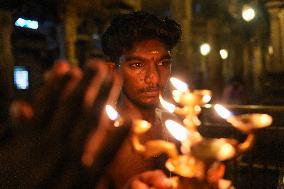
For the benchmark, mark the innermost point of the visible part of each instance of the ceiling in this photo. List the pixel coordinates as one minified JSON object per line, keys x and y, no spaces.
{"x":48,"y":9}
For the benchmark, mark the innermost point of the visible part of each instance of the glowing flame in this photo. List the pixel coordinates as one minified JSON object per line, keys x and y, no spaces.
{"x":222,"y":111}
{"x":206,"y":98}
{"x":265,"y":119}
{"x":178,"y":84}
{"x":177,"y":130}
{"x":168,"y":106}
{"x":177,"y":95}
{"x":111,"y":112}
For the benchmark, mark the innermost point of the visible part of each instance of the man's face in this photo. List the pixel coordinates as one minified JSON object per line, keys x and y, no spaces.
{"x":145,"y":70}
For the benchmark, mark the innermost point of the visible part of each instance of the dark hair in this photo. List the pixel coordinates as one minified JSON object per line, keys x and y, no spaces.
{"x":128,"y":29}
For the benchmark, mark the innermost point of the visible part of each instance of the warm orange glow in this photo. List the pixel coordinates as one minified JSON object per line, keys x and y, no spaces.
{"x":156,"y":147}
{"x":222,"y":111}
{"x":179,"y":85}
{"x":184,"y":98}
{"x":141,"y":126}
{"x":112,"y":113}
{"x":226,"y":151}
{"x":197,"y":109}
{"x":168,"y":106}
{"x":177,"y":130}
{"x":249,"y":122}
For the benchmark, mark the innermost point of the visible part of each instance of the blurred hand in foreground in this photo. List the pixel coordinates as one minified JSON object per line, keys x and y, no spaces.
{"x":150,"y":179}
{"x":50,"y":143}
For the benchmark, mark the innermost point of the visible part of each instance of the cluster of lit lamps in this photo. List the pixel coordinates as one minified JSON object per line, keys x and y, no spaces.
{"x":199,"y":161}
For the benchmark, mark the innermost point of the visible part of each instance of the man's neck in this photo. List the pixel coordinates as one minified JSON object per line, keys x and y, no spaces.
{"x":138,"y":112}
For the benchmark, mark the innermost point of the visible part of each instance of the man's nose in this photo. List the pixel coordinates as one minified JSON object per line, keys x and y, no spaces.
{"x":152,"y":75}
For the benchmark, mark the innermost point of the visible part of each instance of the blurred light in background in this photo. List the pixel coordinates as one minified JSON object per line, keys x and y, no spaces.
{"x":95,"y":36}
{"x":224,"y":54}
{"x":270,"y":49}
{"x":21,"y":77}
{"x":21,"y":22}
{"x":205,"y":49}
{"x":248,"y":13}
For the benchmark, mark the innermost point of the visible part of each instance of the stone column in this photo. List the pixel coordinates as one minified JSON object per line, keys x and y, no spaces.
{"x":181,"y":11}
{"x":214,"y":63}
{"x":6,"y":63}
{"x":237,"y":46}
{"x":71,"y":23}
{"x":136,"y":4}
{"x":257,"y":69}
{"x":61,"y":40}
{"x":276,"y":17}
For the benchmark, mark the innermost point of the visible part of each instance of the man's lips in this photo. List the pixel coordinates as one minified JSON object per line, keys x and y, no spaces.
{"x":151,"y":93}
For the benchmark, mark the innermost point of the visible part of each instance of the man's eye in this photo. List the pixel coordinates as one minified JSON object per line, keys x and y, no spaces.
{"x":165,"y":62}
{"x":136,"y":65}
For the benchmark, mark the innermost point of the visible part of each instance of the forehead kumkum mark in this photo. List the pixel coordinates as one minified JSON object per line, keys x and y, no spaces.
{"x":154,"y":52}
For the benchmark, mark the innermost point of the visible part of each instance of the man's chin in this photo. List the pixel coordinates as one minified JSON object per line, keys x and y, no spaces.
{"x":148,"y":104}
{"x":145,"y":102}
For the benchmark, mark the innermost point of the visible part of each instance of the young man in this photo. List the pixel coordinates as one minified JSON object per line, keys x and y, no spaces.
{"x":140,"y":44}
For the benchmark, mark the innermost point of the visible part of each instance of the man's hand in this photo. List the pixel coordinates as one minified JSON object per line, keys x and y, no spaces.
{"x":150,"y":179}
{"x":49,"y":136}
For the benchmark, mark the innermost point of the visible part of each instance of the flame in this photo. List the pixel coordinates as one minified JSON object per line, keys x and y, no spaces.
{"x":206,"y":98}
{"x":177,"y":130}
{"x":265,"y":119}
{"x":168,"y":106}
{"x":176,"y":95}
{"x":222,"y":111}
{"x":178,"y":84}
{"x":111,"y":112}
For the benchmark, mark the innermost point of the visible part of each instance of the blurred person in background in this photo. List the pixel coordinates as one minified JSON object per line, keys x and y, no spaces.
{"x":234,"y":91}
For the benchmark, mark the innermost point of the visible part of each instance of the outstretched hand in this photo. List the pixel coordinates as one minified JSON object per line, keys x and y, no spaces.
{"x":150,"y":179}
{"x":50,"y":144}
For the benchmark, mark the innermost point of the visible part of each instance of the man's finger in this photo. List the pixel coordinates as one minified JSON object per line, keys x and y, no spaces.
{"x":49,"y":96}
{"x":137,"y":184}
{"x":21,"y":114}
{"x":21,"y":110}
{"x":97,"y":135}
{"x":76,"y":75}
{"x":106,"y":151}
{"x":71,"y":110}
{"x":156,"y":179}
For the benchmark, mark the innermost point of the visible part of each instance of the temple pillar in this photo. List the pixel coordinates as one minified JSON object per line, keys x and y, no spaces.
{"x":71,"y":23}
{"x":214,"y":63}
{"x":276,"y":17}
{"x":136,"y":4}
{"x":6,"y":63}
{"x":181,"y":11}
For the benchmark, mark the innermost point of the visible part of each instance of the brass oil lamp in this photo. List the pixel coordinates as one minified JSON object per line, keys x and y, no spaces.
{"x":198,"y":163}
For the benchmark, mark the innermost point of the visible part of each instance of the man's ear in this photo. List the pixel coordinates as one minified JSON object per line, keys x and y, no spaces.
{"x":111,"y":66}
